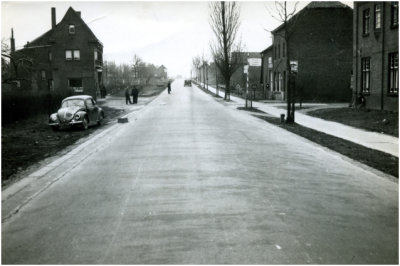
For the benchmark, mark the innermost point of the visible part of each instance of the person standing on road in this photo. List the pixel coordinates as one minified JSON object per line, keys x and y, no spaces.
{"x":169,"y":87}
{"x":135,"y":94}
{"x":127,"y":96}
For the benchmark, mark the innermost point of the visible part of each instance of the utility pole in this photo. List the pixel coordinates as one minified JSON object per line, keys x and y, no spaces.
{"x":216,"y":78}
{"x":246,"y":71}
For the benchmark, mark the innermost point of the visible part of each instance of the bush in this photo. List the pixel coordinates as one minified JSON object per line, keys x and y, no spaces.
{"x":20,"y":105}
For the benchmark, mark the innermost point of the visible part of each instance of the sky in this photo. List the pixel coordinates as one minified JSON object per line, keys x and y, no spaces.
{"x":161,"y":33}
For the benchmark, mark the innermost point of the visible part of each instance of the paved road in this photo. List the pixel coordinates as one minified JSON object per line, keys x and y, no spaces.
{"x":193,"y":182}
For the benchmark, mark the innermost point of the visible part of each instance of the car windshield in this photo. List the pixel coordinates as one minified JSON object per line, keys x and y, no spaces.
{"x":74,"y":102}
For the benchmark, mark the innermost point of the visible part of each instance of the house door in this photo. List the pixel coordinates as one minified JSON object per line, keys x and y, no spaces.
{"x":50,"y":84}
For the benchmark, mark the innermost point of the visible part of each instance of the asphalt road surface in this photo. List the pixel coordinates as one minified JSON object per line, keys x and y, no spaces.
{"x":191,"y":181}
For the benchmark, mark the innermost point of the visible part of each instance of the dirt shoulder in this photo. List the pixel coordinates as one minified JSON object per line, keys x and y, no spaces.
{"x":371,"y":120}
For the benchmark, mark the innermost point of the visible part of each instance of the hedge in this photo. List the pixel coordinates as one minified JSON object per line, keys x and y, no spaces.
{"x":20,"y":105}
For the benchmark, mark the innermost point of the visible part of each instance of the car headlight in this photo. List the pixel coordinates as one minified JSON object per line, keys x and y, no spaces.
{"x":77,"y":117}
{"x":53,"y":117}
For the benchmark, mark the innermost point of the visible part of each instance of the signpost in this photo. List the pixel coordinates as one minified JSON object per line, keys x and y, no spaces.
{"x":294,"y":67}
{"x":246,"y":71}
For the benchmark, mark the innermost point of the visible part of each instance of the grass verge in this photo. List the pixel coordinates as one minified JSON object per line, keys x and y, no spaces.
{"x":371,"y":120}
{"x":376,"y":159}
{"x":29,"y":141}
{"x":251,"y":109}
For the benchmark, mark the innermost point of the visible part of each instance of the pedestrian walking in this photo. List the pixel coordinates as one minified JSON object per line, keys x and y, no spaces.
{"x":127,"y":96}
{"x":169,"y":87}
{"x":135,"y":94}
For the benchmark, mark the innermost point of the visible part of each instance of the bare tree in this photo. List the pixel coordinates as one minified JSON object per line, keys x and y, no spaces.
{"x":196,"y":61}
{"x":15,"y":64}
{"x":136,"y":66}
{"x":225,"y":22}
{"x":287,"y":16}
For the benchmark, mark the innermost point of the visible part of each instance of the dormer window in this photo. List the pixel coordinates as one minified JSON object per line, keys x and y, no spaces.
{"x":71,"y":29}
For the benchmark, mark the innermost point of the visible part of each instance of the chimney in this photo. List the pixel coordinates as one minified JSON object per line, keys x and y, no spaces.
{"x":53,"y":17}
{"x":79,"y":13}
{"x":12,"y":41}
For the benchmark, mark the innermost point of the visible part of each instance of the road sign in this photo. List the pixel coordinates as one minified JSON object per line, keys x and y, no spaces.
{"x":246,"y":69}
{"x":254,"y":62}
{"x":294,"y":66}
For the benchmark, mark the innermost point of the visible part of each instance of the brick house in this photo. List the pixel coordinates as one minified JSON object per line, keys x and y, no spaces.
{"x":68,"y":57}
{"x":376,"y":55}
{"x":320,"y":40}
{"x":239,"y":79}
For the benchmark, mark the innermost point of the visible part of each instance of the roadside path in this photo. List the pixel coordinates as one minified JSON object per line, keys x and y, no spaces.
{"x":373,"y":140}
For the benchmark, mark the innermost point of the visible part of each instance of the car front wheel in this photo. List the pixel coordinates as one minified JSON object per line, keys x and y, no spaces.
{"x":85,"y":123}
{"x":101,"y":117}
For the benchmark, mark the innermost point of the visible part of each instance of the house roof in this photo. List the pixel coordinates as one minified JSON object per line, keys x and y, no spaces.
{"x":266,"y":49}
{"x":315,"y":5}
{"x":246,"y":55}
{"x":46,"y":37}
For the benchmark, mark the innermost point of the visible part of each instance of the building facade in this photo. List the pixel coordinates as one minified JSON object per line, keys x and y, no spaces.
{"x":375,"y":55}
{"x":271,"y":91}
{"x":239,"y":79}
{"x":319,"y":39}
{"x":68,"y":57}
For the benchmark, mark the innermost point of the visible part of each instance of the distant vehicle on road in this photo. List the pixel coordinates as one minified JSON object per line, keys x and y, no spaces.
{"x":79,"y":110}
{"x":187,"y":82}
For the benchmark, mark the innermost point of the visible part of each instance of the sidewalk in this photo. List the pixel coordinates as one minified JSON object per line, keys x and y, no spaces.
{"x":373,"y":140}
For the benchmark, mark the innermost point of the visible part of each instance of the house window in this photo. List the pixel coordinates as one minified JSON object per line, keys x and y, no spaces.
{"x":394,"y":73}
{"x":68,"y":54}
{"x":50,"y":84}
{"x":43,"y":74}
{"x":394,"y":18}
{"x":72,"y":54}
{"x":279,"y":50}
{"x":71,"y":29}
{"x":280,"y":82}
{"x":77,"y":54}
{"x":378,"y":16}
{"x":50,"y":56}
{"x":365,"y":75}
{"x":75,"y":84}
{"x":95,"y":55}
{"x":276,"y":88}
{"x":284,"y":50}
{"x":366,"y":22}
